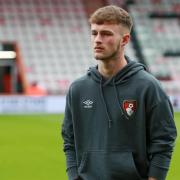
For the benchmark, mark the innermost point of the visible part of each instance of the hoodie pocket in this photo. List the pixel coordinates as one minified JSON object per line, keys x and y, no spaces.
{"x":113,"y":165}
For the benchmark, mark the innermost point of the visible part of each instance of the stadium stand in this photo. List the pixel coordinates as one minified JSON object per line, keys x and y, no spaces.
{"x":157,"y":28}
{"x":54,"y":39}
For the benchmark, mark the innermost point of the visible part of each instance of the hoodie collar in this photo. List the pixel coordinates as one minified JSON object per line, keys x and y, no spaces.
{"x":122,"y":76}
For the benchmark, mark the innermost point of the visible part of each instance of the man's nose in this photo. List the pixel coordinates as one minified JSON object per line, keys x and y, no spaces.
{"x":98,"y":38}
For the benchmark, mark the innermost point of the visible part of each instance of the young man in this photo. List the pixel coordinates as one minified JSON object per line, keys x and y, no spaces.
{"x":118,"y":121}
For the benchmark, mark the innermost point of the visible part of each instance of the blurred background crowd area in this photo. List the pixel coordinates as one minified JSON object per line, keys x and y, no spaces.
{"x":45,"y":44}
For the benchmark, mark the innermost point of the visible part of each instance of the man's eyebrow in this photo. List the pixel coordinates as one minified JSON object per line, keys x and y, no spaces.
{"x":102,"y":31}
{"x":106,"y":31}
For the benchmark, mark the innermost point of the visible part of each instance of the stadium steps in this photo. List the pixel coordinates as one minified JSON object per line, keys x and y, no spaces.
{"x":53,"y":37}
{"x":157,"y":36}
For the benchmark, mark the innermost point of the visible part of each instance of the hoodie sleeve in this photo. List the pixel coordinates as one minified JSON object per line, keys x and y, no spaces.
{"x":162,"y":134}
{"x":68,"y":137}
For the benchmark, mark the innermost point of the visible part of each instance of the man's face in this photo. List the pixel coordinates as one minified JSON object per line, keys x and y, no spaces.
{"x":106,"y":40}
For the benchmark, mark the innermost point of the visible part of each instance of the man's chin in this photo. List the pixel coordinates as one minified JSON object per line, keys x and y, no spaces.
{"x":100,"y":57}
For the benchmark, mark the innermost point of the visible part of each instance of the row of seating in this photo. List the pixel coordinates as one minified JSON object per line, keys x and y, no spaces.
{"x":156,"y":36}
{"x":54,"y":41}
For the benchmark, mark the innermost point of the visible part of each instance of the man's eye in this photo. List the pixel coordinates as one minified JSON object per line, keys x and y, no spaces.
{"x":107,"y":34}
{"x":93,"y":33}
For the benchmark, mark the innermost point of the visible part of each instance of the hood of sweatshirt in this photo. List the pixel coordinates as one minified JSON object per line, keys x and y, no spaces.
{"x":122,"y":76}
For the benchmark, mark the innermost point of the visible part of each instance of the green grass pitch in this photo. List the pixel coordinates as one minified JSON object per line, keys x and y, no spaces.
{"x":31,"y":148}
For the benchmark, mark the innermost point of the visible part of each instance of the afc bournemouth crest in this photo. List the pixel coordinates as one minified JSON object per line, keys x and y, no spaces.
{"x":130,"y":107}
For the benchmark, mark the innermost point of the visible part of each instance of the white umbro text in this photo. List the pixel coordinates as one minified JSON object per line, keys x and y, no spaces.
{"x":88,"y":104}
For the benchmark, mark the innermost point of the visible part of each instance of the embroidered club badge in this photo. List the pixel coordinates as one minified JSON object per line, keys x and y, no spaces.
{"x":130,"y":107}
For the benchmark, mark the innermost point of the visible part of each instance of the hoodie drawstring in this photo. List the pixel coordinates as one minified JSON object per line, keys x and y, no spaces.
{"x":105,"y":105}
{"x":122,"y":76}
{"x":116,"y":93}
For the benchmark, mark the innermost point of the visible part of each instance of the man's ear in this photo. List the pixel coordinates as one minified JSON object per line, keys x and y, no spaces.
{"x":125,"y":39}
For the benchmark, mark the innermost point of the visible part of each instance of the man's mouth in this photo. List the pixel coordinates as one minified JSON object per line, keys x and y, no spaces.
{"x":98,"y":49}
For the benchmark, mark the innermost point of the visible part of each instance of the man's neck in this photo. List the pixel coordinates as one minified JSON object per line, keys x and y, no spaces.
{"x":109,"y":68}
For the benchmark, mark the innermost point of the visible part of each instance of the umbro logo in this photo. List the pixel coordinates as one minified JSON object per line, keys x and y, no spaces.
{"x":88,"y":104}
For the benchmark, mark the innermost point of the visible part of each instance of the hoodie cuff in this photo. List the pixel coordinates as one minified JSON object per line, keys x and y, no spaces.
{"x":159,"y":167}
{"x":72,"y":173}
{"x":158,"y":173}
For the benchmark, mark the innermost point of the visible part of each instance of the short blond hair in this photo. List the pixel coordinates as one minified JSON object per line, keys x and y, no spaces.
{"x":113,"y":15}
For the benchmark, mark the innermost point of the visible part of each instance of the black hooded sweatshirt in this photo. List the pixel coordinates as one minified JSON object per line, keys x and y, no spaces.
{"x":119,"y":129}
